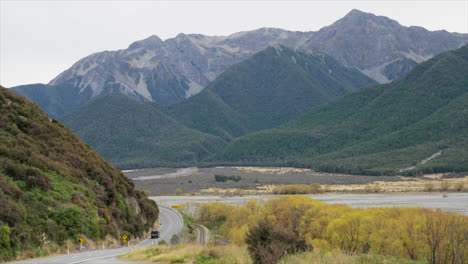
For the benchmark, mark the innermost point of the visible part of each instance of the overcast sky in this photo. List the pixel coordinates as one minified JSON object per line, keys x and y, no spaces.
{"x":40,"y":39}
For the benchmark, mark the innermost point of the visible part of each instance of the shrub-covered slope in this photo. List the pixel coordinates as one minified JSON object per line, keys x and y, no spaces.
{"x":133,"y":134}
{"x":54,"y":188}
{"x":378,"y":129}
{"x":267,"y":90}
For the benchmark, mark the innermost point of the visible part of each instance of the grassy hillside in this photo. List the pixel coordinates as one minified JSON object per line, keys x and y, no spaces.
{"x":54,"y":188}
{"x":267,"y":90}
{"x":133,"y":134}
{"x":378,"y":129}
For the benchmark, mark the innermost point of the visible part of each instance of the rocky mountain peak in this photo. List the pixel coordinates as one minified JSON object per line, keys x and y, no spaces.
{"x":359,"y":19}
{"x":148,"y":43}
{"x":379,"y":46}
{"x":172,"y":70}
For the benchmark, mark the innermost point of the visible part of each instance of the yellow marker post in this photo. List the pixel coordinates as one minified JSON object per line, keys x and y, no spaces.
{"x":125,"y":239}
{"x":81,"y":241}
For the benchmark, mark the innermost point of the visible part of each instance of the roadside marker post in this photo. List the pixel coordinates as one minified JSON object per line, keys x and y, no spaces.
{"x":81,"y":241}
{"x":125,"y":239}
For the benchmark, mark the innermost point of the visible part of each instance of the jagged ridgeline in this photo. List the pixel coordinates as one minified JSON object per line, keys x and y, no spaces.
{"x":264,"y":91}
{"x":54,"y":188}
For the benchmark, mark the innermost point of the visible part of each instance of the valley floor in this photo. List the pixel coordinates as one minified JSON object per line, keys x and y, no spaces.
{"x":262,"y":180}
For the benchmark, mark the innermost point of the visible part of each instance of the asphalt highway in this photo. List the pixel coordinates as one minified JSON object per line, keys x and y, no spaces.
{"x":172,"y":224}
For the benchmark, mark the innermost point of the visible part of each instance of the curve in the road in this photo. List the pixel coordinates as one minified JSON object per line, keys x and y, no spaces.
{"x":173,"y":224}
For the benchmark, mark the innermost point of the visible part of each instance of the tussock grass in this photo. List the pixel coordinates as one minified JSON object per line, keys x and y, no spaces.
{"x":190,"y":253}
{"x":321,"y":257}
{"x":185,"y":253}
{"x":338,"y":257}
{"x":230,"y":254}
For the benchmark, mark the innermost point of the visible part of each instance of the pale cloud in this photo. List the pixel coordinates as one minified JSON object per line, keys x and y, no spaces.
{"x":40,"y":39}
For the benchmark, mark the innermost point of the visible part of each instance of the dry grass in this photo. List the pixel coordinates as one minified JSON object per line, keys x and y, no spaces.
{"x":230,"y":254}
{"x":265,"y":189}
{"x":189,"y":253}
{"x":184,"y":253}
{"x":407,"y":184}
{"x":338,"y":257}
{"x":276,"y":170}
{"x":335,"y":257}
{"x":233,"y":254}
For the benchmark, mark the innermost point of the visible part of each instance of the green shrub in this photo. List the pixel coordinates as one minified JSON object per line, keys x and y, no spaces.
{"x":223,"y":178}
{"x":177,"y":260}
{"x":204,"y":259}
{"x":70,"y":218}
{"x":267,"y":244}
{"x":298,"y":189}
{"x":5,"y":244}
{"x":175,"y":239}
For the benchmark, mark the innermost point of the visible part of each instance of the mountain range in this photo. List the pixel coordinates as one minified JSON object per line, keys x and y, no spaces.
{"x":264,"y":91}
{"x":169,"y":71}
{"x":255,"y":98}
{"x":416,"y":124}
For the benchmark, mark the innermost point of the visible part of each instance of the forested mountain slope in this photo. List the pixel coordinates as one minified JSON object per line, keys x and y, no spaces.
{"x":380,"y":129}
{"x":266,"y":90}
{"x":133,"y":134}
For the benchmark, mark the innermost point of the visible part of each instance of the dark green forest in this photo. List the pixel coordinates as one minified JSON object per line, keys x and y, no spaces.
{"x":133,"y":134}
{"x":264,"y":91}
{"x":376,"y":130}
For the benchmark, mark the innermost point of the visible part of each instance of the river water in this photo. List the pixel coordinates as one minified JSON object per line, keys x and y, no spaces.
{"x":455,"y":202}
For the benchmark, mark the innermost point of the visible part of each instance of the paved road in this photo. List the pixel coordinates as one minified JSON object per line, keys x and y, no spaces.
{"x":172,"y":223}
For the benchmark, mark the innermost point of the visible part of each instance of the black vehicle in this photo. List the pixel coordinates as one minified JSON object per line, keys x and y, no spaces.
{"x":154,"y":234}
